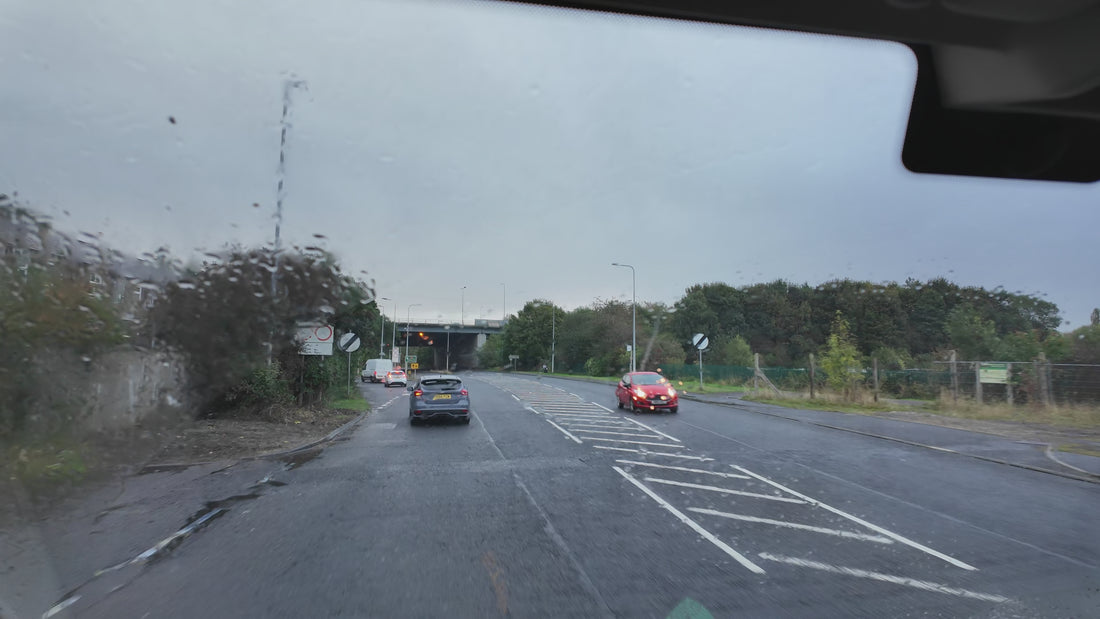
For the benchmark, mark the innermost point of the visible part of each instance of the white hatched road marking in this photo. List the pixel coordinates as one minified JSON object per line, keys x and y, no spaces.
{"x":656,"y":453}
{"x":564,"y":431}
{"x":615,"y":440}
{"x":873,"y":527}
{"x":684,"y":469}
{"x":581,"y":421}
{"x":755,"y":495}
{"x":575,"y":429}
{"x":897,"y":580}
{"x":707,"y":535}
{"x":794,"y":525}
{"x":671,"y":438}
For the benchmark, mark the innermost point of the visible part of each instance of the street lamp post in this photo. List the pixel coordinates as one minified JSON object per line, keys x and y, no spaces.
{"x":504,"y":303}
{"x":462,"y":312}
{"x":633,"y":315}
{"x":393,"y":331}
{"x":448,"y":328}
{"x":408,"y":324}
{"x":382,"y":331}
{"x":553,"y":334}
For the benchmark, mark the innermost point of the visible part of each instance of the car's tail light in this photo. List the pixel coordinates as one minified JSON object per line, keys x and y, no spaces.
{"x":418,"y":393}
{"x":464,"y":392}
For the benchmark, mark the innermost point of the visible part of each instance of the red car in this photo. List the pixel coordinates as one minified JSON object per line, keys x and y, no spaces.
{"x":646,"y":391}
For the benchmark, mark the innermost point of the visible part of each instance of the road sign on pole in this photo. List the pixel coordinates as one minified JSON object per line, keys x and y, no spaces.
{"x":315,"y":339}
{"x":700,"y":342}
{"x":349,"y":342}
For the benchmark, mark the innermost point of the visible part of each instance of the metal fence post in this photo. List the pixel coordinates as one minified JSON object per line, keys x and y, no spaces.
{"x":811,"y":376}
{"x":874,"y":363}
{"x":978,"y":382}
{"x":954,"y":378}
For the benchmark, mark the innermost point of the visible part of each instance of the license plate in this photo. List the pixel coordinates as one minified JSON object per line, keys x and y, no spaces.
{"x":443,"y":396}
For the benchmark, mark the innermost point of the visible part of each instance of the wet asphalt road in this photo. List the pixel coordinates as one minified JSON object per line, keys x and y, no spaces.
{"x":552,"y":503}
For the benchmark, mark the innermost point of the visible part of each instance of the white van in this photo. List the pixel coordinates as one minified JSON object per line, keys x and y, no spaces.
{"x":375,"y":370}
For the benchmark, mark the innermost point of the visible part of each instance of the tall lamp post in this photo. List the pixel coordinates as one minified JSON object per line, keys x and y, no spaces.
{"x":504,"y":302}
{"x":393,"y":331}
{"x":382,"y":331}
{"x":462,"y":312}
{"x":448,"y":328}
{"x":408,"y":323}
{"x":633,"y":315}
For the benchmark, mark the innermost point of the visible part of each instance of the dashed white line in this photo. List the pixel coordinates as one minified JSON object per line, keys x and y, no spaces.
{"x":514,"y":397}
{"x":755,"y":495}
{"x":707,"y":535}
{"x":873,"y":527}
{"x":564,"y":431}
{"x":897,"y":580}
{"x":671,"y":438}
{"x":655,"y":453}
{"x":794,"y":525}
{"x":685,"y":469}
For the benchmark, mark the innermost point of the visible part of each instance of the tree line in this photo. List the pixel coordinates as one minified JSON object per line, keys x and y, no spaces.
{"x":903,"y":325}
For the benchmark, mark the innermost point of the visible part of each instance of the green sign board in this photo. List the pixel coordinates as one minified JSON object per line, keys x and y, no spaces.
{"x":993,"y":373}
{"x":410,"y":359}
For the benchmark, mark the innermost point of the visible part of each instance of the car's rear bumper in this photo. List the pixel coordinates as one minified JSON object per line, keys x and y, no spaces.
{"x":440,"y":414}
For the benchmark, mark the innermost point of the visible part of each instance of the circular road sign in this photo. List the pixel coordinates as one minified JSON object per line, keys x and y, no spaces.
{"x":349,"y":342}
{"x":700,"y":341}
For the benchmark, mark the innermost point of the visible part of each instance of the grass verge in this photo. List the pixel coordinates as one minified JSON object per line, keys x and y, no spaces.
{"x":828,"y":404}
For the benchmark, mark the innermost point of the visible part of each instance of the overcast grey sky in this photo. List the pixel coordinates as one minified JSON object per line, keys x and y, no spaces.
{"x":450,"y":144}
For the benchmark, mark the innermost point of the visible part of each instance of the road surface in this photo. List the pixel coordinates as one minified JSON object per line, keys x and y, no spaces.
{"x":553,"y":503}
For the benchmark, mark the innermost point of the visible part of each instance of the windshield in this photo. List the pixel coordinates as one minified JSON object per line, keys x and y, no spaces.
{"x":222,"y":224}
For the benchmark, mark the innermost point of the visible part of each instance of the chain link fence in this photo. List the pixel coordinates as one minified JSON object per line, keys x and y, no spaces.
{"x":1031,"y":382}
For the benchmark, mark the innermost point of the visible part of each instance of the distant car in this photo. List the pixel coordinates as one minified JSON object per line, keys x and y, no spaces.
{"x":395,"y":377}
{"x":375,"y":370}
{"x":646,"y":391}
{"x":439,"y":396}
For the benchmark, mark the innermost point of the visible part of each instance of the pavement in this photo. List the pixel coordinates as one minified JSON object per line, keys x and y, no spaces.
{"x":553,"y":503}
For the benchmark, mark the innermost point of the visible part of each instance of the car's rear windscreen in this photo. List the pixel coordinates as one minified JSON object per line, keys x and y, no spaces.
{"x":441,"y":384}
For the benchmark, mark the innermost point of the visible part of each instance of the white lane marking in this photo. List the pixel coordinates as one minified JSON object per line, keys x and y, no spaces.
{"x":707,"y":535}
{"x":897,"y":580}
{"x":602,"y":406}
{"x":564,"y":431}
{"x":755,"y":495}
{"x":671,"y":438}
{"x":578,"y":415}
{"x":794,"y":525}
{"x":532,"y":410}
{"x":615,"y":433}
{"x":685,"y":469}
{"x":575,"y":395}
{"x":514,"y":397}
{"x":873,"y":527}
{"x":655,"y":453}
{"x":615,"y":440}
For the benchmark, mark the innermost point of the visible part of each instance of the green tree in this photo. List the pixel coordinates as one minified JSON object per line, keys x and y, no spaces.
{"x":223,"y":318}
{"x":841,"y":359}
{"x":489,"y":356}
{"x":974,"y":337}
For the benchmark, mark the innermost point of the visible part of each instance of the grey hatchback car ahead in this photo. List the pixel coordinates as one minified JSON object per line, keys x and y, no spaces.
{"x":439,"y":396}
